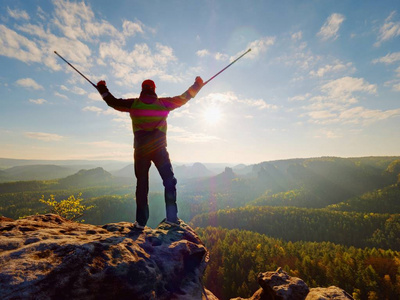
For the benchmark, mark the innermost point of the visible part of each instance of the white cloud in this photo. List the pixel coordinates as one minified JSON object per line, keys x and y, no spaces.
{"x":131,"y":28}
{"x":388,"y":58}
{"x":43,"y":136}
{"x":301,"y":57}
{"x":78,"y":90}
{"x":120,"y":117}
{"x":18,"y":14}
{"x":141,"y":62}
{"x":300,"y":97}
{"x":60,"y":95}
{"x":77,"y":21}
{"x":366,"y":116}
{"x":221,"y":56}
{"x":74,"y":89}
{"x":335,"y":105}
{"x":112,"y":112}
{"x":29,"y":83}
{"x":258,"y":47}
{"x":390,"y":29}
{"x":297,"y":36}
{"x":331,"y":27}
{"x":41,"y":14}
{"x":37,"y":101}
{"x":203,"y":52}
{"x":230,"y":97}
{"x":73,"y":50}
{"x":332,"y":68}
{"x":93,"y":109}
{"x":95,"y":97}
{"x":342,"y":89}
{"x":17,"y":46}
{"x":322,"y":114}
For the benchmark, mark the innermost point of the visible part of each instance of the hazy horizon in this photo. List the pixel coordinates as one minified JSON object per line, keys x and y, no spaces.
{"x":322,"y":79}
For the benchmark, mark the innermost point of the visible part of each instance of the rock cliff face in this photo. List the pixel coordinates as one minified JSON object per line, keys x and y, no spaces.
{"x":48,"y":257}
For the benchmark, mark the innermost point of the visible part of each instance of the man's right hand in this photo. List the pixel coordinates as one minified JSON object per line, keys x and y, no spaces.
{"x":199,"y":81}
{"x":101,"y":87}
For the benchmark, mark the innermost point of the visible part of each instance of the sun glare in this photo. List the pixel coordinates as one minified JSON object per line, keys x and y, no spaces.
{"x":212,"y":115}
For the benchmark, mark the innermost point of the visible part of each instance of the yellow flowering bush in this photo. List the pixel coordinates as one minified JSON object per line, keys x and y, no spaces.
{"x":70,"y":209}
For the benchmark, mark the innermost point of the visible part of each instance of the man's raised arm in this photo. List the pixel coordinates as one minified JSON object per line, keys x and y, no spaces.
{"x":178,"y":101}
{"x":118,"y":104}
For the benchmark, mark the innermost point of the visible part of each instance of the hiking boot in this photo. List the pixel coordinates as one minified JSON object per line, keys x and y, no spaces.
{"x":137,"y":226}
{"x":176,"y":222}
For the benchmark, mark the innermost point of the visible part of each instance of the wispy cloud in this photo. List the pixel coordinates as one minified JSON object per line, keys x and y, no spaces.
{"x":331,"y":27}
{"x":388,"y":58}
{"x":74,"y":89}
{"x":230,"y":97}
{"x":78,"y":25}
{"x":343,"y":88}
{"x":37,"y":101}
{"x":366,"y":116}
{"x":95,"y":97}
{"x":77,"y":21}
{"x":29,"y":83}
{"x":334,"y":68}
{"x":203,"y":52}
{"x":43,"y":136}
{"x":132,"y":28}
{"x":390,"y":29}
{"x":131,"y":67}
{"x":297,"y":36}
{"x":336,"y":104}
{"x":17,"y":46}
{"x":60,"y":95}
{"x":300,"y":97}
{"x":258,"y":47}
{"x":17,"y":14}
{"x":93,"y":109}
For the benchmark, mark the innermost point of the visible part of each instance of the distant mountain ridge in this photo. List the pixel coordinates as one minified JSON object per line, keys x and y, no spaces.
{"x":82,"y":179}
{"x":17,"y":170}
{"x":35,"y":172}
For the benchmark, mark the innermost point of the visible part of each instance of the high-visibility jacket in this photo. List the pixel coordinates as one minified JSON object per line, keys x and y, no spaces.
{"x":149,"y":115}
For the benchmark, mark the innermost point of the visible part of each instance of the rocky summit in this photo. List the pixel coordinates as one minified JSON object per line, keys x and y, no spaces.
{"x":48,"y":257}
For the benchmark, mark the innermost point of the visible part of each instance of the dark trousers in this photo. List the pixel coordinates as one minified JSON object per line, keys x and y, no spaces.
{"x":160,"y":158}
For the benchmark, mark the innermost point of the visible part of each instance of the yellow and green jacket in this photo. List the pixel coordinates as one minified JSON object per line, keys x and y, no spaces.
{"x":149,"y":115}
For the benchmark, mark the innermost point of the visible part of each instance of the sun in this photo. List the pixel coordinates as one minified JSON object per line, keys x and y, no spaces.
{"x":212,"y":115}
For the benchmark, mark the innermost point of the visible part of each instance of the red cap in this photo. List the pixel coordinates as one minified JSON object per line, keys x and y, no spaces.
{"x":149,"y":84}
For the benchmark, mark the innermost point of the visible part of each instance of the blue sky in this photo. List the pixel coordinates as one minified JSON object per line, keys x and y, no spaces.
{"x":322,"y":79}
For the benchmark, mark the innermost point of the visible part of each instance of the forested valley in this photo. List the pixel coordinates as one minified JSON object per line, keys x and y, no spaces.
{"x":329,"y":221}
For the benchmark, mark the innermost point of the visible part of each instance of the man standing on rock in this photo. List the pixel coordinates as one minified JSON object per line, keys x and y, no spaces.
{"x":149,"y":122}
